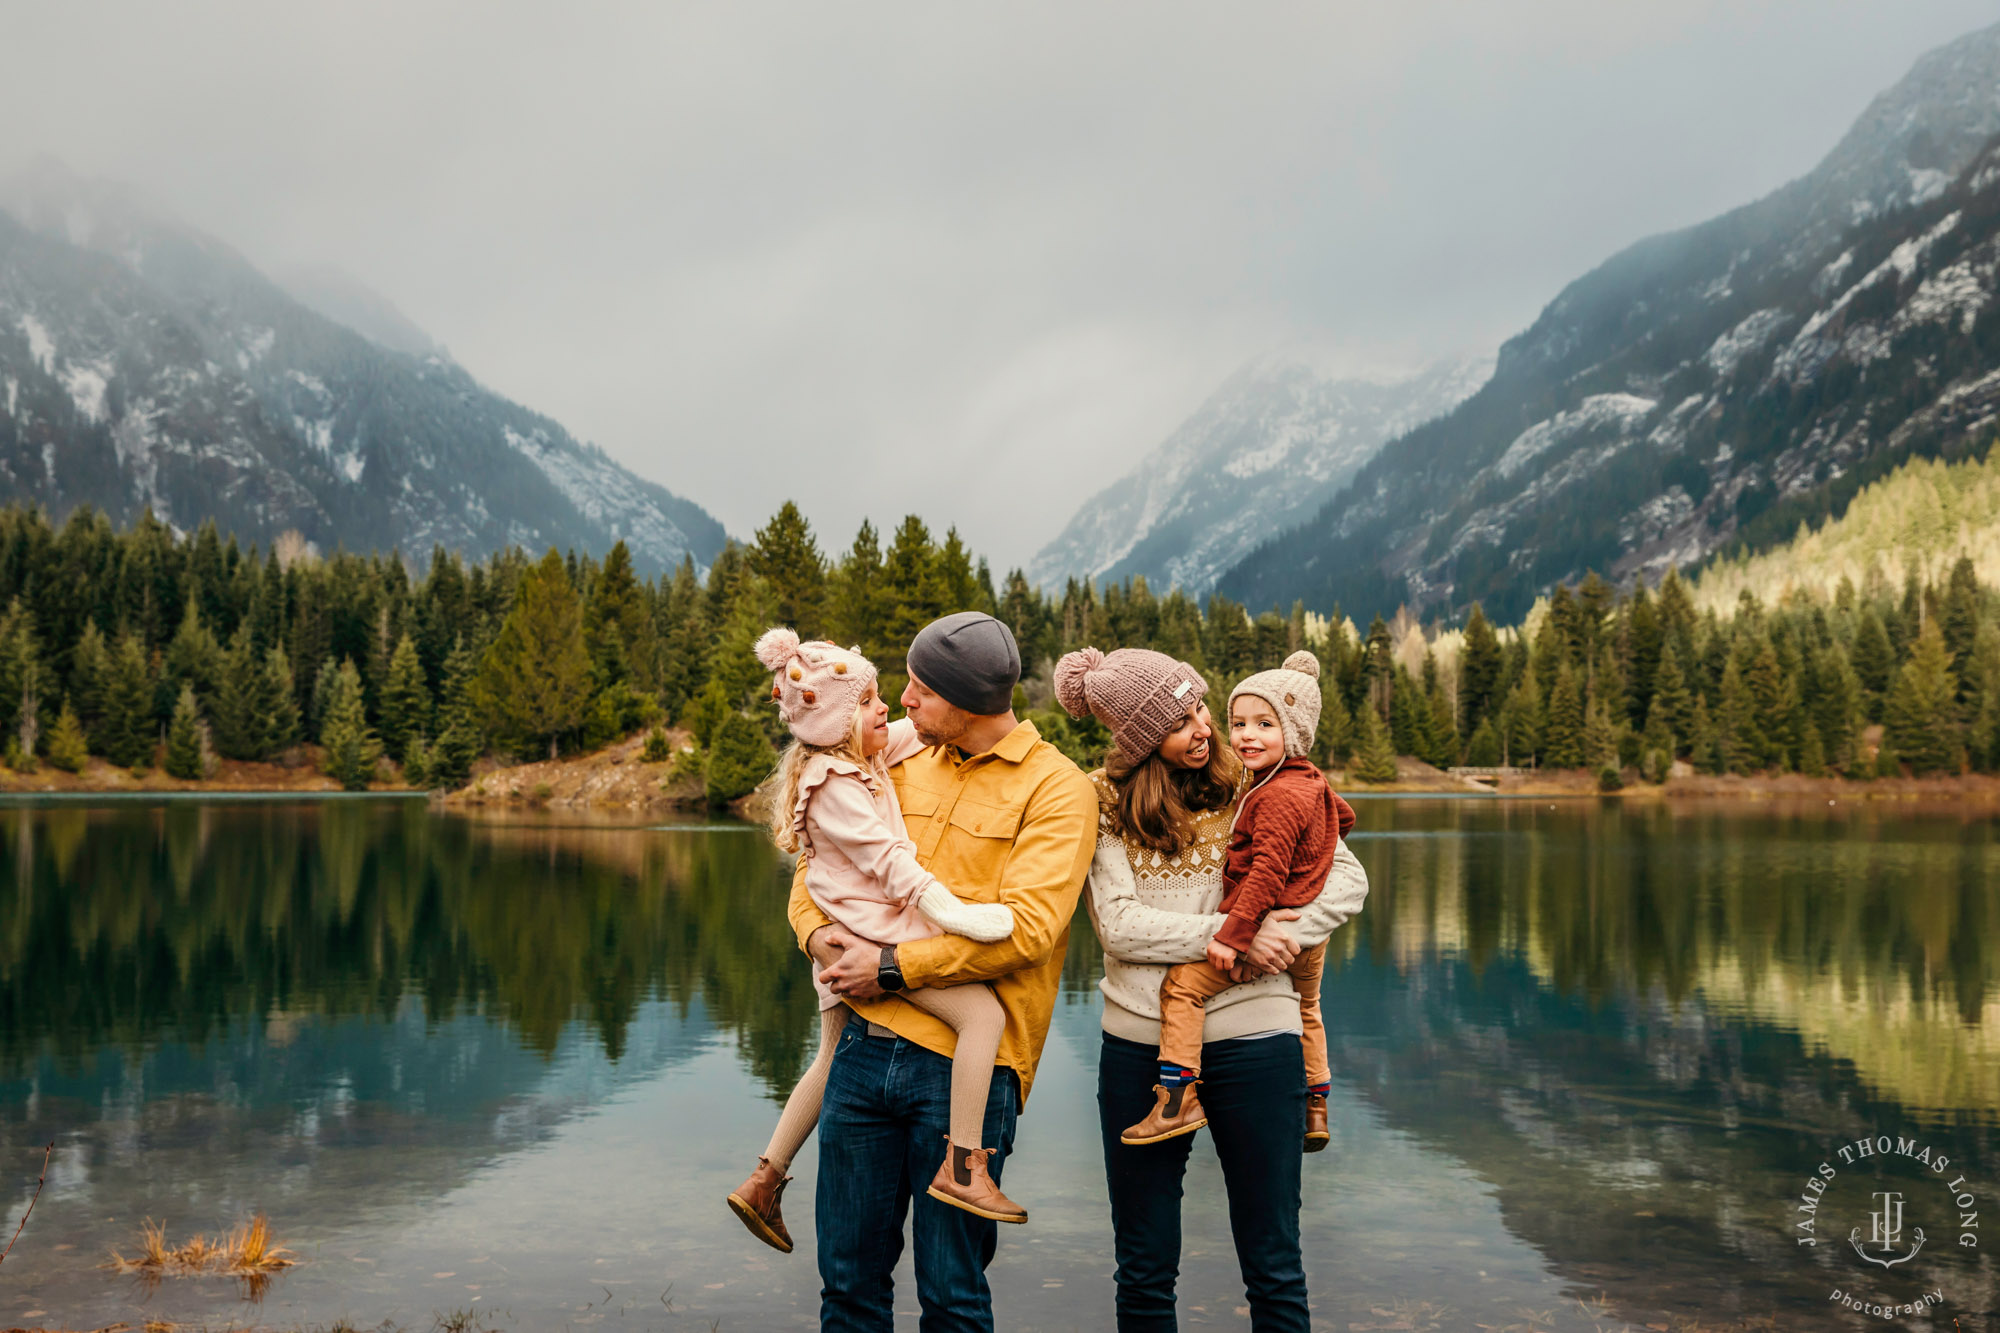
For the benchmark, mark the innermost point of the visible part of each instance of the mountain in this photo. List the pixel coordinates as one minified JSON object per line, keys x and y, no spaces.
{"x":345,"y":299}
{"x":1262,"y":453}
{"x":1706,"y":389}
{"x":145,"y":363}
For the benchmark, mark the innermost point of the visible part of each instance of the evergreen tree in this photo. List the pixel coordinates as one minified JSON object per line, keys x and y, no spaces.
{"x":1812,"y":754}
{"x":186,"y":743}
{"x":350,"y":744}
{"x":1600,"y":738}
{"x":1738,"y":736}
{"x":618,"y":631}
{"x":278,"y":695}
{"x":126,"y":734}
{"x":193,"y":658}
{"x":1960,"y":617}
{"x":1920,"y":722}
{"x":1705,"y":749}
{"x":460,"y":741}
{"x":90,"y":677}
{"x":1671,"y":696}
{"x":856,"y":596}
{"x":1374,"y":756}
{"x":1874,"y":662}
{"x":1333,"y":741}
{"x":1479,"y":671}
{"x":739,"y":759}
{"x":1658,"y":745}
{"x":1521,"y":722}
{"x":406,"y":700}
{"x":534,"y":682}
{"x":1484,"y":751}
{"x":68,"y":749}
{"x":1562,"y":739}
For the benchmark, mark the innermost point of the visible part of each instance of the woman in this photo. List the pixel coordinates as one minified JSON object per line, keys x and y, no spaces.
{"x":1167,"y":795}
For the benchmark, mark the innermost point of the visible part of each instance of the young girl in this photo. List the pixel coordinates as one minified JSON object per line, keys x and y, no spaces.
{"x":834,"y":803}
{"x":1282,"y":844}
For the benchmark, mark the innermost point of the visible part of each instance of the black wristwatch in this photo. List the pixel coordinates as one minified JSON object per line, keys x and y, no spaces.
{"x":890,"y":978}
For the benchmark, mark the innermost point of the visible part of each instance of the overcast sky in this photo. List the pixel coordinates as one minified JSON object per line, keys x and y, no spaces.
{"x":971,"y":261}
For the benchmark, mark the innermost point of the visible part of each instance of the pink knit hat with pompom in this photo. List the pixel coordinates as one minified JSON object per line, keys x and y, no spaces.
{"x":1139,"y":694}
{"x":817,"y":685}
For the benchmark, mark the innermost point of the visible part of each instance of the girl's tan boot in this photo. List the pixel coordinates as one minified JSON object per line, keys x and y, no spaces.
{"x":757,"y":1201}
{"x":1175,"y":1112}
{"x":962,"y":1182}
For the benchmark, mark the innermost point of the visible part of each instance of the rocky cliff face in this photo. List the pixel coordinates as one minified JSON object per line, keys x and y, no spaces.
{"x":143,"y":363}
{"x":1704,"y":388}
{"x":1267,"y":449}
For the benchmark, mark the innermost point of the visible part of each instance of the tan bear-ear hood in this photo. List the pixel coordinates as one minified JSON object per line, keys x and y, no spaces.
{"x":1292,"y":690}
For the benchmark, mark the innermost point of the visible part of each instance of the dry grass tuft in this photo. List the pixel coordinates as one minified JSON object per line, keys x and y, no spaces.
{"x":249,"y":1252}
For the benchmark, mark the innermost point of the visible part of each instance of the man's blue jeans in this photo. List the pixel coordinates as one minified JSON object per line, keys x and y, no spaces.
{"x":882,"y":1131}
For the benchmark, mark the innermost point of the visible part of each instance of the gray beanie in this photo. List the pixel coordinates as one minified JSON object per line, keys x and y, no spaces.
{"x":969,"y":659}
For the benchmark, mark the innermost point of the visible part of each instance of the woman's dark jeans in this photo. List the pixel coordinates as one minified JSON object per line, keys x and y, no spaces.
{"x":1254,"y":1092}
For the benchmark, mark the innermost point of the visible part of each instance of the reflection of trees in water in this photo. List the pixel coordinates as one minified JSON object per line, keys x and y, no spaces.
{"x":1642,"y":1028}
{"x":1869,"y":933}
{"x":122,"y":925}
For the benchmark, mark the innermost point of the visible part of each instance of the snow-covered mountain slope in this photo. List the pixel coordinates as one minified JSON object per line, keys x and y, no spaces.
{"x":144,"y":363}
{"x":1263,"y":452}
{"x":1704,"y":388}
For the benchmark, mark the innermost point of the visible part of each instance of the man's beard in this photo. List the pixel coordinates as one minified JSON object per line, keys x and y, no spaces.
{"x":945,"y":731}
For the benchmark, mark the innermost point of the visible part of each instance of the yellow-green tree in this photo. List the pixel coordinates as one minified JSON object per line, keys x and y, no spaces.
{"x":534,"y":682}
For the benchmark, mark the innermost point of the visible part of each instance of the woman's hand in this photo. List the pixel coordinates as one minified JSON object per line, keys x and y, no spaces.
{"x":1271,"y":951}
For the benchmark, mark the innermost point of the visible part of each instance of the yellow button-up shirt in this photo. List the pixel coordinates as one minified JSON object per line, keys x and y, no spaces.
{"x":1015,"y":825}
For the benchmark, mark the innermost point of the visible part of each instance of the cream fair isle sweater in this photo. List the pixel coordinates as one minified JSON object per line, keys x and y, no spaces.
{"x":1152,"y":911}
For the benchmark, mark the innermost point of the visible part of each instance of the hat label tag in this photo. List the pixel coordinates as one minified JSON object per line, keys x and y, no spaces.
{"x":1182,"y":688}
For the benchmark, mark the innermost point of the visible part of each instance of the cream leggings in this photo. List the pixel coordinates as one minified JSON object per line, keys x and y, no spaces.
{"x":973,"y":1014}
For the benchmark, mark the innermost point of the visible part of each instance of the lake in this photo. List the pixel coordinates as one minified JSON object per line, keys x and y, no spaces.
{"x":1586,"y":1055}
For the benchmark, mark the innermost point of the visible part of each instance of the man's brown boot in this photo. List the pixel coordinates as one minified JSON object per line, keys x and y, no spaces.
{"x":1176,"y":1112}
{"x":1316,"y":1135}
{"x":962,"y":1182}
{"x":756,"y":1201}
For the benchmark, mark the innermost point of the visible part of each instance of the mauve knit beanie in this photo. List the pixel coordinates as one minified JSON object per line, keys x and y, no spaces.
{"x":1139,"y":694}
{"x":1292,"y":690}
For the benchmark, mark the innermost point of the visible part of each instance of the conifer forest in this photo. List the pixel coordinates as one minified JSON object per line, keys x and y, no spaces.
{"x":144,"y":647}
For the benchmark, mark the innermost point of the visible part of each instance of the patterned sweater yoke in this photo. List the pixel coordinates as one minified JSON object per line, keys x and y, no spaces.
{"x":1152,"y":910}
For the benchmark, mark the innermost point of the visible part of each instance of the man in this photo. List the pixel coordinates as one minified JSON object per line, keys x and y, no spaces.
{"x":998,"y":815}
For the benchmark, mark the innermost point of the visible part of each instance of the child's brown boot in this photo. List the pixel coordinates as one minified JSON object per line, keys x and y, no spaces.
{"x":962,"y":1182}
{"x":1177,"y":1111}
{"x":756,"y":1201}
{"x":1316,"y":1135}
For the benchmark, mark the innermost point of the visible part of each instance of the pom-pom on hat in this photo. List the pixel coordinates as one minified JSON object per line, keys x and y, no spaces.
{"x":1292,"y":690}
{"x":1139,"y":694}
{"x":817,"y":685}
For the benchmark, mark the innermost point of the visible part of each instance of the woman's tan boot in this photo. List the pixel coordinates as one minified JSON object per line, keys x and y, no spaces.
{"x":756,"y":1201}
{"x":1316,"y":1135}
{"x":962,"y":1182}
{"x":1177,"y":1111}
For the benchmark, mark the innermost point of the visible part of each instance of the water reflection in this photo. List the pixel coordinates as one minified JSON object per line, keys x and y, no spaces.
{"x":1581,"y":1049}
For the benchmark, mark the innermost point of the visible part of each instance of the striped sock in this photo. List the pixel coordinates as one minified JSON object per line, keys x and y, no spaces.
{"x":1173,"y":1076}
{"x":1320,"y":1089}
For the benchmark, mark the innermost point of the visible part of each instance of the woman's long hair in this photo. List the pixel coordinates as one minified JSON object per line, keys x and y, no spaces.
{"x":784,"y":779}
{"x":1154,"y":803}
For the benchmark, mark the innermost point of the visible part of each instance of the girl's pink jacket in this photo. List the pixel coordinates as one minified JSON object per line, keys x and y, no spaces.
{"x":861,"y":868}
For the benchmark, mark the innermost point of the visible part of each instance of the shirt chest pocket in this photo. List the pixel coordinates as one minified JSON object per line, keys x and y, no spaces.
{"x":972,"y":855}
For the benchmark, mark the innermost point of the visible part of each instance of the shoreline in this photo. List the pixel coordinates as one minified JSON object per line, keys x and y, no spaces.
{"x":616,"y":779}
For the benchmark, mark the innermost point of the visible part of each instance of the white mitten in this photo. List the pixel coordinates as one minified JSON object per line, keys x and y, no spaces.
{"x":985,"y":922}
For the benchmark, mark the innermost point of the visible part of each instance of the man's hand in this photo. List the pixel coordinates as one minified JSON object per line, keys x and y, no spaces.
{"x":1220,"y":956}
{"x":1272,"y":951}
{"x":854,"y":965}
